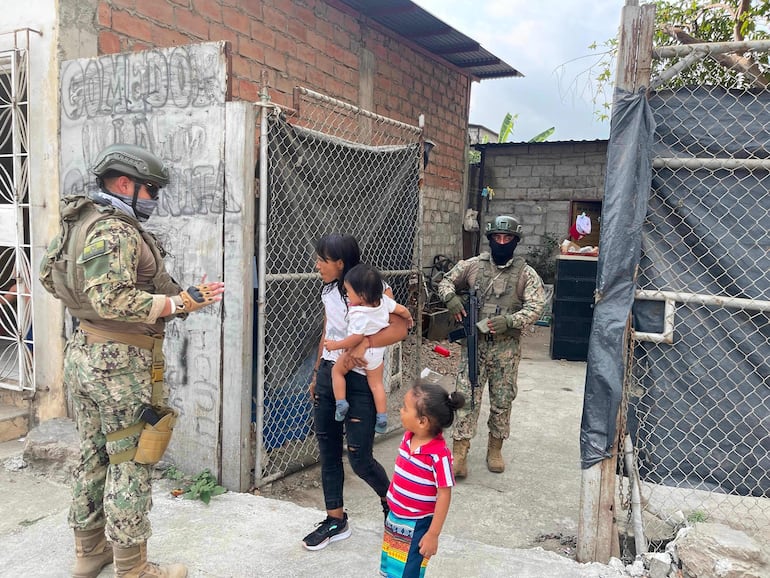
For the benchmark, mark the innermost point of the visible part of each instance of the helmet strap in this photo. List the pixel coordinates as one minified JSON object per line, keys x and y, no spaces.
{"x":137,"y":188}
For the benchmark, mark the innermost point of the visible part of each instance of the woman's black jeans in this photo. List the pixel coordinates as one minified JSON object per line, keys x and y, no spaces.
{"x":359,"y":427}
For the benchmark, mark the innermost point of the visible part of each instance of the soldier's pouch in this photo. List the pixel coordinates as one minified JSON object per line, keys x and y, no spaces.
{"x":154,"y":439}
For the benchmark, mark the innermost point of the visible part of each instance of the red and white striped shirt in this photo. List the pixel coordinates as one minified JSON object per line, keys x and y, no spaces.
{"x":417,"y":477}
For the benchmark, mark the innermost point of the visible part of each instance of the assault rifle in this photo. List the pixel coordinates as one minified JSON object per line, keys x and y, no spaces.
{"x":469,"y":332}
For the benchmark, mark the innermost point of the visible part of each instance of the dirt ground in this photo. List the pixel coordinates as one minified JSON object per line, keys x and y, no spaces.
{"x":534,"y":503}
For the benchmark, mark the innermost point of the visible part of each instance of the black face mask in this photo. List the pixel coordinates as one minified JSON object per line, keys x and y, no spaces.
{"x":501,"y":254}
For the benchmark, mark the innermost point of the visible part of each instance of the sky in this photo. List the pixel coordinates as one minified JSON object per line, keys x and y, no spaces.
{"x":547,"y":41}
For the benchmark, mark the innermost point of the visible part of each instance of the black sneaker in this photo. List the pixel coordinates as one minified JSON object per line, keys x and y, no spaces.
{"x":330,"y":530}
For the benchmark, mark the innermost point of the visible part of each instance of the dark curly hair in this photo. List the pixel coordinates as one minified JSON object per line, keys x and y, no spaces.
{"x":367,"y":282}
{"x":433,"y":402}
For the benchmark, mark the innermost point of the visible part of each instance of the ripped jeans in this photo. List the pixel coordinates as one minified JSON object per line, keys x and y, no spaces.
{"x":359,"y":428}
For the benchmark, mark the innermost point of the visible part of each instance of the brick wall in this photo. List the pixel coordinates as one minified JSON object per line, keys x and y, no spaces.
{"x":537,"y":182}
{"x":318,"y":44}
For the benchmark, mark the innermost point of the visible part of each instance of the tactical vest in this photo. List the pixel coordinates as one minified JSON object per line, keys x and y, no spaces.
{"x":63,"y":277}
{"x":498,"y":289}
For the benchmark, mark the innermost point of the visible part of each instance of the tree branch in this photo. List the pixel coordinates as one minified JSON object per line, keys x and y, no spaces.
{"x":738,"y":63}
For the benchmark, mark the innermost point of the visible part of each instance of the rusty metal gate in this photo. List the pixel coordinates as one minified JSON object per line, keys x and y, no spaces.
{"x":330,"y":167}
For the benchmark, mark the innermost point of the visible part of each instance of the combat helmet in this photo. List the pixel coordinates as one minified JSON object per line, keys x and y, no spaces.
{"x":504,"y":224}
{"x":133,"y":161}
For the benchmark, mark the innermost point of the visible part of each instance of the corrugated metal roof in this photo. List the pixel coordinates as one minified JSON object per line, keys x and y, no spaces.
{"x":407,"y":19}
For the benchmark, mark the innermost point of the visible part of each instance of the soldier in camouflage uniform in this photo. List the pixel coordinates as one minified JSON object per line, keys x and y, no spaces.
{"x":511,"y":297}
{"x":109,"y":272}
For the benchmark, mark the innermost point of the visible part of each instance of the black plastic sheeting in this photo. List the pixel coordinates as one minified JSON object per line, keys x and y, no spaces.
{"x":704,"y":401}
{"x":700,"y":417}
{"x":626,"y":190}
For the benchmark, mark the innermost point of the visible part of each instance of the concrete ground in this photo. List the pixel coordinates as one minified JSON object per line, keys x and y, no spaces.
{"x":535,"y":502}
{"x":494,"y":522}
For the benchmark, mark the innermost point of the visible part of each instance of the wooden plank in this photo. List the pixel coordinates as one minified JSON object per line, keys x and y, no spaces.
{"x":645,"y":45}
{"x":625,"y":75}
{"x":237,"y":355}
{"x":606,"y":527}
{"x":588,"y":519}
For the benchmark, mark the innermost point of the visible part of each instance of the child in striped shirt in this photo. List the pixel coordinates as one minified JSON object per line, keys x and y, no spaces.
{"x":421,"y":488}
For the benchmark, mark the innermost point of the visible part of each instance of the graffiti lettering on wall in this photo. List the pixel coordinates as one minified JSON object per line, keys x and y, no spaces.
{"x":169,"y":101}
{"x":142,"y":82}
{"x":195,"y":190}
{"x":194,"y":389}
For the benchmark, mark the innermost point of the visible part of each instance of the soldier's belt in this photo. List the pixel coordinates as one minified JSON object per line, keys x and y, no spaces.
{"x":152,"y":343}
{"x":94,"y":335}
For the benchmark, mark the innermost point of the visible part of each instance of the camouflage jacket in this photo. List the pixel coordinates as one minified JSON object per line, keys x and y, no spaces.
{"x":107,"y":269}
{"x":514,"y":290}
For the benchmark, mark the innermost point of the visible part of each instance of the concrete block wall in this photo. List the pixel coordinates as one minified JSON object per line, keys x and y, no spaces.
{"x":326,"y":46}
{"x":537,"y":182}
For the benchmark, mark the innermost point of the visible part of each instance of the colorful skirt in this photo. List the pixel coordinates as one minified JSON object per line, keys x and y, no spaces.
{"x":401,"y":556}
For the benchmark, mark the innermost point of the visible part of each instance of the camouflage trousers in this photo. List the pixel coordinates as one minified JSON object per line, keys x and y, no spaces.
{"x":499,"y":367}
{"x":109,"y":383}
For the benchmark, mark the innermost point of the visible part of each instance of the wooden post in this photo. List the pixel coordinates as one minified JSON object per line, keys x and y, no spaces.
{"x":597,"y":529}
{"x":237,"y":334}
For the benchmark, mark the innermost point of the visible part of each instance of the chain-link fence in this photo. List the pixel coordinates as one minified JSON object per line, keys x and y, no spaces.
{"x":331,"y":168}
{"x":698,"y":388}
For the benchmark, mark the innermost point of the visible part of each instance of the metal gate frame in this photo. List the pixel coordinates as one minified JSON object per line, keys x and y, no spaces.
{"x":302,"y":453}
{"x":682,"y":506}
{"x":610,"y":481}
{"x":17,"y":370}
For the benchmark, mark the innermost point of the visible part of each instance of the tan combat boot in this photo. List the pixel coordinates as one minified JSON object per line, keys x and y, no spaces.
{"x":460,"y":454}
{"x":131,"y":562}
{"x":495,"y":461}
{"x":93,"y":552}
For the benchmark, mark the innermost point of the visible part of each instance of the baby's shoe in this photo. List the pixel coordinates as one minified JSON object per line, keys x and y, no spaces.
{"x":381,"y":424}
{"x":341,"y":409}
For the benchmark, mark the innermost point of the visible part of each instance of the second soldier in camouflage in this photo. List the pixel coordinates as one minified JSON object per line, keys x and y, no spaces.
{"x":511,"y":297}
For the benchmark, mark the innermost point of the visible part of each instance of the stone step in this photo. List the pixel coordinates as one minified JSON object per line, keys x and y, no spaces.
{"x":11,"y":449}
{"x":14,"y":422}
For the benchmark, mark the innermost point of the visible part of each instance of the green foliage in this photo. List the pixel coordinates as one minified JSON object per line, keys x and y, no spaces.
{"x":172,"y":473}
{"x":543,"y":136}
{"x":697,"y":516}
{"x":202,"y":487}
{"x":704,"y":21}
{"x":542,"y":258}
{"x":506,"y":128}
{"x":711,"y":22}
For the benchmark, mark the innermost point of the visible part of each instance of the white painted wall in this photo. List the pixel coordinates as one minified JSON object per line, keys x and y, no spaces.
{"x":43,"y":131}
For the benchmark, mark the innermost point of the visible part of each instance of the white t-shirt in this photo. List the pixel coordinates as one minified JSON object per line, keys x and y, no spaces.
{"x":368,"y":321}
{"x":364,"y":320}
{"x":337,"y":317}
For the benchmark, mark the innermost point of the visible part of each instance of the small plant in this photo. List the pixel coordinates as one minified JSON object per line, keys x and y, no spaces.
{"x":543,"y":258}
{"x":696,"y":516}
{"x":202,"y":487}
{"x":172,"y":473}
